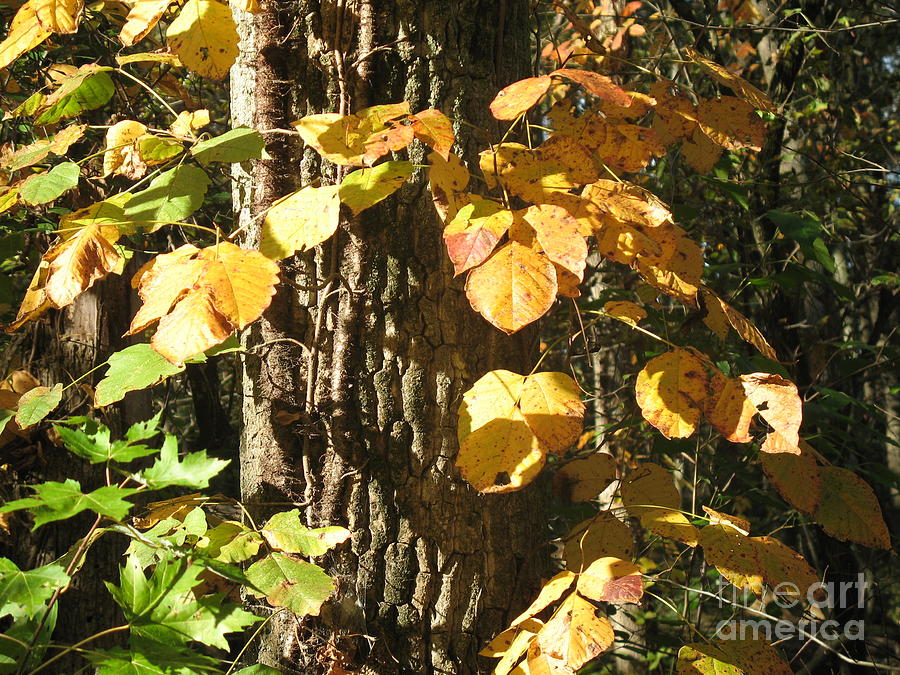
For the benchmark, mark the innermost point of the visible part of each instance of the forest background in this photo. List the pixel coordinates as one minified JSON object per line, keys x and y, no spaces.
{"x":555,"y":333}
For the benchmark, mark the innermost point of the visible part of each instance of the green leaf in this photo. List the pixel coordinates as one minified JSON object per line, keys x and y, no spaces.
{"x":151,"y":659}
{"x":231,"y":542}
{"x":258,"y":669}
{"x":56,"y":501}
{"x":163,"y":608}
{"x":23,"y":631}
{"x":158,"y":150}
{"x":365,"y":187}
{"x":286,"y":532}
{"x":36,"y":404}
{"x":45,"y":187}
{"x":5,"y":417}
{"x":131,"y":369}
{"x":237,"y":145}
{"x":194,"y":471}
{"x":25,"y":593}
{"x":171,"y":197}
{"x":89,"y":88}
{"x":92,"y":440}
{"x":806,"y":229}
{"x":295,"y":584}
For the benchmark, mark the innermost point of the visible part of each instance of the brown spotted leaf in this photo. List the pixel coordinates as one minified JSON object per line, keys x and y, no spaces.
{"x":435,"y":130}
{"x":795,"y":475}
{"x":778,"y":403}
{"x":731,"y":657}
{"x":575,"y":634}
{"x":737,"y":84}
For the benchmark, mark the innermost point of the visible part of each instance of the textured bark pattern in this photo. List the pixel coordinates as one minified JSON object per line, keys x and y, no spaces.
{"x":433,"y":569}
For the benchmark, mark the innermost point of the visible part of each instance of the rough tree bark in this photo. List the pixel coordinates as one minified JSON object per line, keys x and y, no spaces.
{"x":370,"y":343}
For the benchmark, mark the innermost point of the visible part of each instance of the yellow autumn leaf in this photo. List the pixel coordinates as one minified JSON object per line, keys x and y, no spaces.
{"x":513,"y":288}
{"x":550,"y":593}
{"x":625,"y":311}
{"x":650,"y":496}
{"x":584,"y":479}
{"x":200,"y":296}
{"x":58,"y":16}
{"x":35,"y":302}
{"x":796,"y":476}
{"x":611,"y":579}
{"x":737,"y":84}
{"x":728,"y":409}
{"x":677,"y":271}
{"x":300,"y":221}
{"x":700,"y":152}
{"x":435,"y":129}
{"x":575,"y":634}
{"x":720,"y":316}
{"x":501,"y":456}
{"x":474,"y":232}
{"x":559,"y":235}
{"x":122,"y":155}
{"x":79,"y":261}
{"x":849,"y":510}
{"x":25,"y":33}
{"x":778,"y":403}
{"x":552,"y":407}
{"x":671,"y":390}
{"x":142,"y":18}
{"x":204,"y":37}
{"x":448,"y":178}
{"x":731,"y":123}
{"x":602,"y":535}
{"x":494,"y":394}
{"x":189,"y":122}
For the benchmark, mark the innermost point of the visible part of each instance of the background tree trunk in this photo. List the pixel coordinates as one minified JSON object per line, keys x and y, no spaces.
{"x":370,"y":343}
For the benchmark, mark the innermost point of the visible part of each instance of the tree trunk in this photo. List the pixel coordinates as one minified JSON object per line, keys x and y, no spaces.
{"x":370,"y":343}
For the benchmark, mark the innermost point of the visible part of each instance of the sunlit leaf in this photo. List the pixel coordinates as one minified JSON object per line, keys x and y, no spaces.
{"x":731,"y":657}
{"x":474,"y":232}
{"x":142,"y":18}
{"x":235,"y":145}
{"x":552,"y":408}
{"x":363,"y":188}
{"x":584,"y":479}
{"x":122,"y":154}
{"x":625,"y":311}
{"x":171,"y":197}
{"x":25,"y":592}
{"x":731,"y":123}
{"x":193,"y":471}
{"x":58,"y":16}
{"x":513,"y":100}
{"x":300,"y":221}
{"x":575,"y":634}
{"x":205,"y":37}
{"x":286,"y":532}
{"x":849,"y":509}
{"x":36,"y":404}
{"x":796,"y":476}
{"x":560,"y":236}
{"x":434,"y":129}
{"x":599,"y":85}
{"x":598,"y":537}
{"x":88,"y":88}
{"x":57,"y":501}
{"x":25,"y":33}
{"x":671,"y":390}
{"x":45,"y":187}
{"x":611,"y":579}
{"x":295,"y":584}
{"x":739,"y":85}
{"x":550,"y":593}
{"x":728,"y":409}
{"x":649,"y":495}
{"x":777,"y":401}
{"x":131,"y":369}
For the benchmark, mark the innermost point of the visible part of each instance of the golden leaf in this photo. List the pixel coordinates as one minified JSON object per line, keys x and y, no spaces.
{"x":188,"y":122}
{"x":58,"y":16}
{"x":513,"y":100}
{"x":559,"y":235}
{"x":671,"y":390}
{"x":25,"y":33}
{"x":848,"y":509}
{"x":552,"y":407}
{"x":728,"y":409}
{"x":300,"y":221}
{"x":435,"y":129}
{"x":447,"y":178}
{"x":700,"y":152}
{"x":550,"y":593}
{"x":575,"y":634}
{"x":204,"y":37}
{"x":602,"y":535}
{"x":599,"y":85}
{"x":625,"y":311}
{"x":79,"y":261}
{"x":512,"y":288}
{"x":677,"y":271}
{"x":200,"y":296}
{"x":795,"y":475}
{"x":675,"y":116}
{"x":731,"y":123}
{"x":142,"y":18}
{"x":778,"y":403}
{"x":584,"y":479}
{"x":611,"y":579}
{"x":737,"y":84}
{"x":122,"y":155}
{"x":650,"y":496}
{"x":474,"y":232}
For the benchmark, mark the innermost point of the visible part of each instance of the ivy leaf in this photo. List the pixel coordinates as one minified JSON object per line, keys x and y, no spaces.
{"x":286,"y":532}
{"x":295,"y":584}
{"x":25,"y":593}
{"x":650,"y":496}
{"x":204,"y":37}
{"x":194,"y":471}
{"x":57,"y":501}
{"x":171,"y":197}
{"x":363,"y":188}
{"x":300,"y":221}
{"x":236,"y":145}
{"x":201,"y":296}
{"x":45,"y":187}
{"x":36,"y":404}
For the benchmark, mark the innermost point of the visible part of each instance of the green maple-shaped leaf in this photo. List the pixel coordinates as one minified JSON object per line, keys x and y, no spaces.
{"x":193,"y":471}
{"x":295,"y":584}
{"x":57,"y":501}
{"x":163,"y":608}
{"x":92,"y":440}
{"x":152,"y":659}
{"x":286,"y":532}
{"x":25,"y":592}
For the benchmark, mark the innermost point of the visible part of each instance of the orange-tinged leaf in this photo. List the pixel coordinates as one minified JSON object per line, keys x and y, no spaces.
{"x":777,"y":401}
{"x":599,"y":85}
{"x":575,"y":634}
{"x":204,"y":37}
{"x":795,"y":475}
{"x":25,"y":33}
{"x":675,"y":116}
{"x":35,"y":302}
{"x":447,"y":178}
{"x":513,"y":288}
{"x":671,"y":390}
{"x":550,"y":593}
{"x":731,"y":123}
{"x":552,"y":407}
{"x":848,"y":509}
{"x":649,"y":495}
{"x":474,"y":232}
{"x":625,"y":311}
{"x":434,"y":128}
{"x":628,"y":148}
{"x":720,"y":316}
{"x":200,"y":296}
{"x":737,"y":84}
{"x":524,"y":636}
{"x":728,"y":409}
{"x":584,"y":479}
{"x":558,"y":165}
{"x":79,"y":261}
{"x":501,"y":456}
{"x":300,"y":221}
{"x":513,"y":100}
{"x":629,"y":203}
{"x":142,"y":18}
{"x":640,"y":106}
{"x":567,"y":284}
{"x":122,"y":155}
{"x":611,"y":579}
{"x":602,"y":535}
{"x":559,"y":235}
{"x":700,"y":152}
{"x":749,"y":562}
{"x":718,"y":518}
{"x":731,"y":657}
{"x":678,"y":270}
{"x":188,"y":122}
{"x":58,"y":16}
